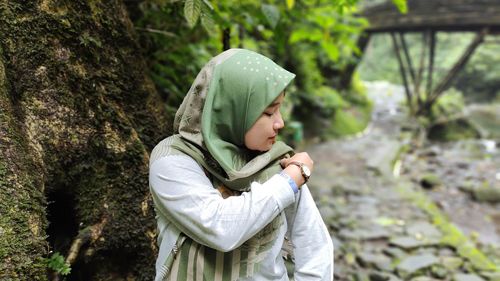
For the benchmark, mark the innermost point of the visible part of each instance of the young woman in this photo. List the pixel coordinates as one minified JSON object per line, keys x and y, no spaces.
{"x":228,"y":196}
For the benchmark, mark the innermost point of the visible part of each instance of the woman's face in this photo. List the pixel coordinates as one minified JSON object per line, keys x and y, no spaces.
{"x":262,"y":135}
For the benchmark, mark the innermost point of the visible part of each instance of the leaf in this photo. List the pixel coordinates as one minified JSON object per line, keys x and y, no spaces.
{"x":208,"y":4}
{"x":290,"y":4}
{"x":305,"y":34}
{"x":207,"y":21}
{"x":271,"y":13}
{"x":192,"y":9}
{"x":331,"y":50}
{"x":401,"y":5}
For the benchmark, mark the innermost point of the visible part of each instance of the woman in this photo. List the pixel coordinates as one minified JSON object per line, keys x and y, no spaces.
{"x":228,"y":196}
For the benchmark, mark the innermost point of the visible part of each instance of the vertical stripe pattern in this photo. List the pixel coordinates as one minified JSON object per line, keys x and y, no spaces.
{"x":195,"y":262}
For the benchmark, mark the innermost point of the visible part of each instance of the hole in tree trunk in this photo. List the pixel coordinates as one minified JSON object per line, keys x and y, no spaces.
{"x":62,"y":220}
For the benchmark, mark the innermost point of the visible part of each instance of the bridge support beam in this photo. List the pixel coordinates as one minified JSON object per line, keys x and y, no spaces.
{"x":419,"y":102}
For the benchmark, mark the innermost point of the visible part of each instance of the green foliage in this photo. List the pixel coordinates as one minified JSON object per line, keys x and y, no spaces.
{"x":56,"y":262}
{"x":317,"y":40}
{"x":451,"y":103}
{"x":401,"y":5}
{"x":272,"y":14}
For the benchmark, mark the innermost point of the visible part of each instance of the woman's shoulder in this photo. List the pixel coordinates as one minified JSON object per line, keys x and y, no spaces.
{"x":176,"y":160}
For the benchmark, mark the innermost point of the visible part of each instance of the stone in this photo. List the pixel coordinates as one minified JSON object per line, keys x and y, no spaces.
{"x":375,"y":260}
{"x":395,"y":252}
{"x":327,"y":213}
{"x":337,"y":245}
{"x":413,"y":264}
{"x":439,"y":271}
{"x":451,"y":263}
{"x":487,"y":193}
{"x":423,"y":229}
{"x":491,"y":276}
{"x":467,"y":277}
{"x":368,"y":233}
{"x":382,"y":158}
{"x":453,"y":130}
{"x":430,"y":180}
{"x":406,"y":242}
{"x":422,"y":278}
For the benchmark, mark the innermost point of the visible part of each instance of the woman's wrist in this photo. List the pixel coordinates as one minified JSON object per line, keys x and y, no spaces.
{"x":294,"y":172}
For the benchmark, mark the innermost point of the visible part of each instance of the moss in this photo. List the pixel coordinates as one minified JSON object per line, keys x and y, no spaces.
{"x":22,"y":242}
{"x":81,"y":101}
{"x":453,"y":130}
{"x":452,"y":236}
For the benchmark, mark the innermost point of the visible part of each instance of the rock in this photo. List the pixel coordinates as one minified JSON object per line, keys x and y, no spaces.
{"x":327,"y":213}
{"x":486,"y":117}
{"x":446,"y":252}
{"x":451,"y":263}
{"x":375,"y":260}
{"x":395,"y":252}
{"x":381,"y":159}
{"x":439,"y":271}
{"x":430,"y":180}
{"x":412,"y":264}
{"x":491,"y":276}
{"x":423,"y":230}
{"x":423,"y":278}
{"x":467,"y":186}
{"x":337,"y":245}
{"x":378,"y":276}
{"x":361,"y":276}
{"x":453,"y":130}
{"x":467,"y":277}
{"x":382,"y":276}
{"x":487,"y":193}
{"x":406,"y":242}
{"x":369,"y":233}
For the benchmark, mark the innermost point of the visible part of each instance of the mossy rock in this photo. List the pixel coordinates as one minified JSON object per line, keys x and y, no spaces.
{"x":487,"y":193}
{"x":453,"y":130}
{"x":430,"y":180}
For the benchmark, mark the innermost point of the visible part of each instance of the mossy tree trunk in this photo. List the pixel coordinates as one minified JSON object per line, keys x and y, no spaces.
{"x":78,"y":117}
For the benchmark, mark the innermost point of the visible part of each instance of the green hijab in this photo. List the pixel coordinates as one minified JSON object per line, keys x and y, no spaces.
{"x":227,"y":97}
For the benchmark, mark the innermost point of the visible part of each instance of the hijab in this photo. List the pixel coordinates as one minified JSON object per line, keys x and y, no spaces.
{"x":227,"y":97}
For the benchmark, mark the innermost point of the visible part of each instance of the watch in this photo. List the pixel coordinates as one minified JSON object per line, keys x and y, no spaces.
{"x":304,"y":170}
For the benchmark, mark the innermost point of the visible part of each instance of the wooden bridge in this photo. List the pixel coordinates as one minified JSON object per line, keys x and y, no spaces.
{"x":429,"y":17}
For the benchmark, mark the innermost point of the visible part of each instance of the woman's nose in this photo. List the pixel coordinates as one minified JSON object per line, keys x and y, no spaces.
{"x":278,"y":122}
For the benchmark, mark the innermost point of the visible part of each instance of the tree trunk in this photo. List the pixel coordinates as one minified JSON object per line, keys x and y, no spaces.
{"x":78,"y":118}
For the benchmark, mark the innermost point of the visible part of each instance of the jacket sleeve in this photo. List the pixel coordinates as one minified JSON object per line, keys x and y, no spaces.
{"x":185,"y":196}
{"x":312,"y":244}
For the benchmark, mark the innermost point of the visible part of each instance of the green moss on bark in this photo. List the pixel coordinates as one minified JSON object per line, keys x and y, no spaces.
{"x":88,"y":117}
{"x":22,"y":213}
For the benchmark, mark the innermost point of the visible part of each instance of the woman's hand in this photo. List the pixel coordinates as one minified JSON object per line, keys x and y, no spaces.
{"x":293,"y":170}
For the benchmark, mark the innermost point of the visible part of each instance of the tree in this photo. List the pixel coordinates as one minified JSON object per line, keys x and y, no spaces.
{"x":78,"y":117}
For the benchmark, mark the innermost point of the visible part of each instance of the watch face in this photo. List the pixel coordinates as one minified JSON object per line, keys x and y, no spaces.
{"x":306,"y":170}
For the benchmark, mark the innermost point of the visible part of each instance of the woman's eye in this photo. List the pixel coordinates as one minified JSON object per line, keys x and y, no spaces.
{"x":268,"y":113}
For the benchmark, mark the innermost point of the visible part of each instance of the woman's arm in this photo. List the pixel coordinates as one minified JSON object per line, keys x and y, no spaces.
{"x":185,"y":196}
{"x":312,"y":244}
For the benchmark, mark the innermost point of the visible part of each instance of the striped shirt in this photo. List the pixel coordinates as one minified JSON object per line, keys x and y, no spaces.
{"x":237,"y":238}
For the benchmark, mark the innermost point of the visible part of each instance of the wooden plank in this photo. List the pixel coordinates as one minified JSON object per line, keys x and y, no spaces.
{"x":447,"y":15}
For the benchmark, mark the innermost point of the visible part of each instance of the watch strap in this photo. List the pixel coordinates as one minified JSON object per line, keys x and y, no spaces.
{"x":291,"y":182}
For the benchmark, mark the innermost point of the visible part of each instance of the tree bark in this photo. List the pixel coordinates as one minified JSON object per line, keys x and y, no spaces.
{"x":78,"y":118}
